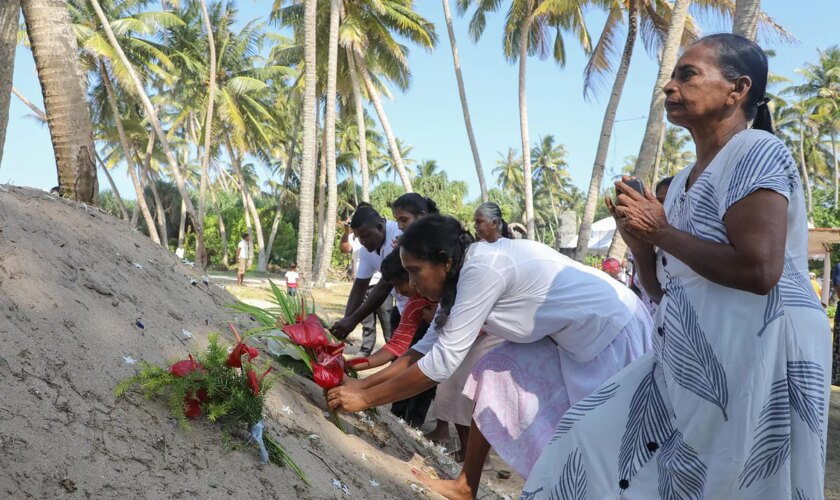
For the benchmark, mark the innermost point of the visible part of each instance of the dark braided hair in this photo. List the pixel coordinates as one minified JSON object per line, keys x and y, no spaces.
{"x":738,"y":56}
{"x":392,"y":269}
{"x":415,"y":204}
{"x":439,"y":239}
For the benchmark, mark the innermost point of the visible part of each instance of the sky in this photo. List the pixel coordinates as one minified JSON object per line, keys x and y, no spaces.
{"x":428,"y":115}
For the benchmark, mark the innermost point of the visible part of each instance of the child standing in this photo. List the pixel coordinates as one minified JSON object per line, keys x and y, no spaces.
{"x":292,"y":280}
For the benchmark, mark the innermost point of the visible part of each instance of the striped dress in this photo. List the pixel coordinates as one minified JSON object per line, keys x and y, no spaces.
{"x":733,"y":402}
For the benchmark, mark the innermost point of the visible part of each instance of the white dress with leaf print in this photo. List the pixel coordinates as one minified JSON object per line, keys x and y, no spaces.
{"x":733,"y":402}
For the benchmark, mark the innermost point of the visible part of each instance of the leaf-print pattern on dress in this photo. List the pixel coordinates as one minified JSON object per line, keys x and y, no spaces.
{"x":806,"y":388}
{"x":795,"y":288}
{"x":583,"y":407}
{"x":530,"y":495}
{"x":682,"y":475}
{"x":687,"y":353}
{"x":701,"y":216}
{"x":572,"y":483}
{"x":648,"y":422}
{"x":771,"y":440}
{"x":764,"y":166}
{"x":774,"y":309}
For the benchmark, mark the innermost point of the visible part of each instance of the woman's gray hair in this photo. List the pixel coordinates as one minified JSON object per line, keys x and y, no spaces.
{"x":493,"y":212}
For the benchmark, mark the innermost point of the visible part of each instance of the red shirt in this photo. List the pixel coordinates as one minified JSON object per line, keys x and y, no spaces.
{"x":411,"y":318}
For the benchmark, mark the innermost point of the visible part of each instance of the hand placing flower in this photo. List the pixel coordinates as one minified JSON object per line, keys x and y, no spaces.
{"x":347,"y":399}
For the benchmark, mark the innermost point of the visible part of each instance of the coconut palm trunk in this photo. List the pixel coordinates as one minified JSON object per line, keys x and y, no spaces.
{"x":836,"y":167}
{"x":152,"y":116}
{"x":200,"y":255}
{"x":307,"y":168}
{"x":328,"y":230}
{"x":250,"y":208}
{"x":456,"y":61}
{"x":128,"y":154}
{"x":524,"y":32}
{"x":805,"y":180}
{"x":745,"y":20}
{"x":222,"y":231}
{"x":322,"y":192}
{"x":182,"y":226}
{"x":373,"y":94}
{"x":360,"y":125}
{"x":594,"y":194}
{"x":655,"y":129}
{"x":65,"y":101}
{"x":9,"y":16}
{"x":117,"y":196}
{"x":35,"y":109}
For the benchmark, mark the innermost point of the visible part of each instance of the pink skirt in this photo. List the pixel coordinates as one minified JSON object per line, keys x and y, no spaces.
{"x":451,"y":404}
{"x":521,"y":391}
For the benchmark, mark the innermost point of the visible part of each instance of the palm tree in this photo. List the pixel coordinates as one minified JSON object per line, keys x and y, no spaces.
{"x":614,"y":17}
{"x":674,"y":156}
{"x":745,"y":20}
{"x":9,"y":16}
{"x":528,"y":28}
{"x":325,"y":256}
{"x":655,"y":124}
{"x":821,"y":91}
{"x":200,"y":255}
{"x":129,"y":157}
{"x":310,"y":146}
{"x":549,"y":163}
{"x":54,"y":48}
{"x":456,"y":61}
{"x":152,"y":116}
{"x":509,"y":171}
{"x":428,"y":168}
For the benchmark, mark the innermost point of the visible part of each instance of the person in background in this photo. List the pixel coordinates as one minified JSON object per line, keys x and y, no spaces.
{"x":292,"y":280}
{"x":370,"y":298}
{"x":411,"y":327}
{"x":612,"y":267}
{"x":243,"y":255}
{"x":662,"y":189}
{"x":815,"y":284}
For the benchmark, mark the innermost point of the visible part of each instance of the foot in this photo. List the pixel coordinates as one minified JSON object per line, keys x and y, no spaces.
{"x":455,"y":489}
{"x":438,"y":435}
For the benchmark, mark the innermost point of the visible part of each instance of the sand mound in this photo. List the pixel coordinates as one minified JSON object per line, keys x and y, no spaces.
{"x":74,"y":286}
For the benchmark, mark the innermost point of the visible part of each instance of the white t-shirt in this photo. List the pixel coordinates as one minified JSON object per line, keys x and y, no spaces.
{"x":243,"y":249}
{"x":523,"y":291}
{"x":291,"y":278}
{"x":371,"y":262}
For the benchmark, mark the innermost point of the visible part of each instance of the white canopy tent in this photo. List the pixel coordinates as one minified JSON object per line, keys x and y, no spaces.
{"x":600,"y":237}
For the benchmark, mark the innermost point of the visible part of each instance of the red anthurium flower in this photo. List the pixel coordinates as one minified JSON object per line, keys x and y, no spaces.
{"x":193,"y":403}
{"x":328,"y":371}
{"x":308,"y":333}
{"x":193,"y":408}
{"x":254,"y":381}
{"x":334,"y":348}
{"x":239,"y":350}
{"x":185,"y":367}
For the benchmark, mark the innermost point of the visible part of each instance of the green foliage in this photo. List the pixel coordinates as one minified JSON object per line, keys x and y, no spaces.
{"x":229,"y":394}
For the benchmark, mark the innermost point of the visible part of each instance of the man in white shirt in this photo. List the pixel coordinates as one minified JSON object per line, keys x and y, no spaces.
{"x":243,"y":253}
{"x":376,"y":236}
{"x":351,"y":244}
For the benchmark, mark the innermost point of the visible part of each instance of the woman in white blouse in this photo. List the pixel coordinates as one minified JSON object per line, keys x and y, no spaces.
{"x":569,"y":328}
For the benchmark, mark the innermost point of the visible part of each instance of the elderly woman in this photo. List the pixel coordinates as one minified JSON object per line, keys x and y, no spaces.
{"x":733,"y":402}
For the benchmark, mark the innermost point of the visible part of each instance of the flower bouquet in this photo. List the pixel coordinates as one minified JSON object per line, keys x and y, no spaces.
{"x":299,"y":339}
{"x":221,"y":385}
